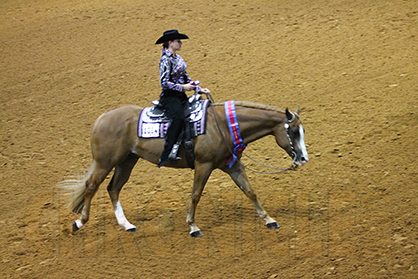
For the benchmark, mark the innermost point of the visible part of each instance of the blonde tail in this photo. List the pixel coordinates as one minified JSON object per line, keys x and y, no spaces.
{"x":75,"y":187}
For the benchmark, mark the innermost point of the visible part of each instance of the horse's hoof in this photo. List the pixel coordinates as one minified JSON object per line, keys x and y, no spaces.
{"x":273,"y":226}
{"x":131,"y":230}
{"x":196,"y":234}
{"x":75,"y":227}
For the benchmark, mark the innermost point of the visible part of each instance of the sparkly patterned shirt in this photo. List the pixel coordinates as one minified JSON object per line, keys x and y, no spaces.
{"x":173,"y":72}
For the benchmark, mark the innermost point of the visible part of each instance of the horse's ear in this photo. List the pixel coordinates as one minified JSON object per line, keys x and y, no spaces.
{"x":297,"y":110}
{"x":289,"y":115}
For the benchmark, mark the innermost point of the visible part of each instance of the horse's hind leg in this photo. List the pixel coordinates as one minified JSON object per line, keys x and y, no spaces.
{"x":120,"y":177}
{"x":97,"y":176}
{"x":238,"y":175}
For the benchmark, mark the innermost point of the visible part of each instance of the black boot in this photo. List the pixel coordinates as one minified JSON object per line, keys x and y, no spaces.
{"x":163,"y":160}
{"x":172,"y":157}
{"x":171,"y":147}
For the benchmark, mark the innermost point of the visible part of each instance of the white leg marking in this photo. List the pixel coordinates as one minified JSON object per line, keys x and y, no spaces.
{"x":78,"y":223}
{"x":193,"y":228}
{"x":120,"y":217}
{"x":269,"y":220}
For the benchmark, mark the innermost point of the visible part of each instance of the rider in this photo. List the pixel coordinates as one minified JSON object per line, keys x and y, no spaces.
{"x":174,"y":81}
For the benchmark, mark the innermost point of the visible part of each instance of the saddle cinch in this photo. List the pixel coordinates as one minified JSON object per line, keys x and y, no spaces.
{"x":153,"y":123}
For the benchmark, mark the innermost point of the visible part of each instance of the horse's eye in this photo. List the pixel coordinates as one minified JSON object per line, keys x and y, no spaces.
{"x":294,"y":132}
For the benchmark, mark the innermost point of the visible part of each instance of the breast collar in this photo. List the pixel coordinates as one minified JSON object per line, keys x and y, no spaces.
{"x":239,"y":145}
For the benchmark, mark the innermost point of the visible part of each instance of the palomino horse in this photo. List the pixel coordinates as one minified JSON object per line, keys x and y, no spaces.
{"x":115,"y":144}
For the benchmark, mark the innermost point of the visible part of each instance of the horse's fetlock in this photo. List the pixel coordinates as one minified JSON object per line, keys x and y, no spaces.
{"x":263,"y":215}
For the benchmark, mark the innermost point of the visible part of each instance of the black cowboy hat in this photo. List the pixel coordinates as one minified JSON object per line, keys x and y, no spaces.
{"x":171,"y":35}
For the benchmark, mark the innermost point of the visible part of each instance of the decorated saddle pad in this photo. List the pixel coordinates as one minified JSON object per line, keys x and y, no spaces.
{"x":153,"y":123}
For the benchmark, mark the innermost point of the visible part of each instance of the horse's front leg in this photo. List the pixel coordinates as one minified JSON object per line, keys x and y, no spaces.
{"x":201,"y":176}
{"x":238,"y":175}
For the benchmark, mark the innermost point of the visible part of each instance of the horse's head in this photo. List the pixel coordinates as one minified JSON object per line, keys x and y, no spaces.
{"x":290,"y":136}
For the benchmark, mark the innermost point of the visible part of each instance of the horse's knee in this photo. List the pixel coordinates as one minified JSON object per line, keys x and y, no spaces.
{"x":114,"y":195}
{"x":195,"y":197}
{"x":250,"y":194}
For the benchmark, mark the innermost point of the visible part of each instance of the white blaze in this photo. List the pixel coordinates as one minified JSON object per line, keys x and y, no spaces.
{"x":301,"y":143}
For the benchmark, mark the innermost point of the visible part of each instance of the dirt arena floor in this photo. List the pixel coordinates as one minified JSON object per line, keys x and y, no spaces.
{"x":351,"y":66}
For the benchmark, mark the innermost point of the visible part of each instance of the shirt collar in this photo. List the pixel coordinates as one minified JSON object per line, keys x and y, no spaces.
{"x":167,"y":52}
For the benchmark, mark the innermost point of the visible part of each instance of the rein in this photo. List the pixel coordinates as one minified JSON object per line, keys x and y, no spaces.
{"x":280,"y":170}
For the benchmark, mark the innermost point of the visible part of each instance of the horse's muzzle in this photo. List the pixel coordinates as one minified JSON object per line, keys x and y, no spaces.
{"x":304,"y":161}
{"x":300,"y":160}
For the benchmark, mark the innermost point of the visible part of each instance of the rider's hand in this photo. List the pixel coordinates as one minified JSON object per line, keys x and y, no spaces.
{"x":188,"y":87}
{"x":204,"y":91}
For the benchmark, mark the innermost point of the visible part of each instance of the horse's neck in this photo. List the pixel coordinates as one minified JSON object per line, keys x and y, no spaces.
{"x":257,"y":123}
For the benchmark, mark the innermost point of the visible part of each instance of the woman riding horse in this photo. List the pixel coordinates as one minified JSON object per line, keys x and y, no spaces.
{"x":174,"y":81}
{"x":115,"y":145}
